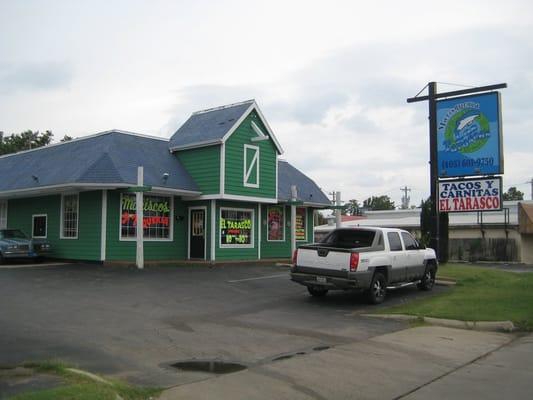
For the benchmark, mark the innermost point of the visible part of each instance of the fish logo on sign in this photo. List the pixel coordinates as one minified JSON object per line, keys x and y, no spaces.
{"x":467,"y":131}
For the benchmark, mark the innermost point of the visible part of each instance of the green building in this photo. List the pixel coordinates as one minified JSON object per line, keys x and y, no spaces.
{"x":217,"y":191}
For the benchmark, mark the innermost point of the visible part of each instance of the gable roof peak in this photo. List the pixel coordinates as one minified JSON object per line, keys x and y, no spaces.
{"x":240,"y":103}
{"x":214,"y":126}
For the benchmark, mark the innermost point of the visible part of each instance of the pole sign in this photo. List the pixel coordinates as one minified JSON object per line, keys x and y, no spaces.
{"x":464,"y":195}
{"x":469,"y":136}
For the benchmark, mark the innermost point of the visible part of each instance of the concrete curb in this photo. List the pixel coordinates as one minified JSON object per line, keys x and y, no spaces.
{"x":486,"y":326}
{"x":89,"y":375}
{"x":94,"y":378}
{"x":445,"y":282}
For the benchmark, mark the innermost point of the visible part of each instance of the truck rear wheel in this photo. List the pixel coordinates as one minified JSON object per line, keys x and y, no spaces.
{"x":378,"y":289}
{"x":317,"y":291}
{"x":428,"y":280}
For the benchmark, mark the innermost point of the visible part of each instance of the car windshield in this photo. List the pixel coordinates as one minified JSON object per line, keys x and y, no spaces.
{"x":12,"y":234}
{"x":349,"y":238}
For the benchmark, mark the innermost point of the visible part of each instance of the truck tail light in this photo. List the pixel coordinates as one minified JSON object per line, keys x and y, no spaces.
{"x":294,"y":256}
{"x":354,"y":261}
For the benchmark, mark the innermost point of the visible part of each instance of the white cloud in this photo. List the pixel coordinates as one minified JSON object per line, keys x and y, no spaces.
{"x":331,"y":77}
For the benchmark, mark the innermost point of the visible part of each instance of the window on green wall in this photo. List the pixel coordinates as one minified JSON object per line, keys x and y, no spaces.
{"x":251,"y":166}
{"x":3,"y":214}
{"x":157,"y":217}
{"x":301,"y":224}
{"x":69,"y":216}
{"x":39,"y":226}
{"x":275,"y":224}
{"x":236,"y":228}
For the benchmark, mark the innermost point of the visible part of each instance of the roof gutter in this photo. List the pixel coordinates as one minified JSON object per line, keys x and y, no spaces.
{"x":52,"y":189}
{"x":196,"y":145}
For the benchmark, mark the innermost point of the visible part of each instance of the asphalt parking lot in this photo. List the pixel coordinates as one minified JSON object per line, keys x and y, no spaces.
{"x":134,"y":324}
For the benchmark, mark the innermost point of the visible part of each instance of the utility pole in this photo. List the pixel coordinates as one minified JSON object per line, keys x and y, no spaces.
{"x":405,"y":198}
{"x":338,"y":217}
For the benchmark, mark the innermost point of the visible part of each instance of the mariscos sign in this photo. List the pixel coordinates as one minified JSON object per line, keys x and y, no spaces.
{"x":470,"y":195}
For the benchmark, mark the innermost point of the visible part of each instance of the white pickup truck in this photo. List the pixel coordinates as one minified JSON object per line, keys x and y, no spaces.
{"x":364,"y":259}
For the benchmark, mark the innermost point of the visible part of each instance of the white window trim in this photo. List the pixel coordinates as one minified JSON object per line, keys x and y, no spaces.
{"x":77,"y":216}
{"x":193,"y":208}
{"x":145,"y":239}
{"x":237,"y":246}
{"x":305,"y":224}
{"x":260,"y":135}
{"x":33,"y":226}
{"x":283,"y":223}
{"x":255,"y":160}
{"x":4,"y":203}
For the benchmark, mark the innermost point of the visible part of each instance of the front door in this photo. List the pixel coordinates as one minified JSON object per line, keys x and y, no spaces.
{"x":197,"y":234}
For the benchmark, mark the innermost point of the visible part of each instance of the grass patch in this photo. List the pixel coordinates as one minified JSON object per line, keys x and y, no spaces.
{"x":481,"y":294}
{"x":79,"y":387}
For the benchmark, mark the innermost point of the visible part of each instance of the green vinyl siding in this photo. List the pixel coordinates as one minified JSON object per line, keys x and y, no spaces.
{"x":282,"y":249}
{"x":224,"y":253}
{"x":204,"y":166}
{"x":85,"y":247}
{"x":275,"y":249}
{"x":124,"y":250}
{"x":234,"y":161}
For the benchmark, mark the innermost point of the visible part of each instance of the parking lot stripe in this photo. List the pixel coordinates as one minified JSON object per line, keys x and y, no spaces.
{"x":258,"y":278}
{"x":31,"y":265}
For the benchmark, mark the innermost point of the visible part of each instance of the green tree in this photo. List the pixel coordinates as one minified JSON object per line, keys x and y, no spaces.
{"x":352,"y":208}
{"x":425,"y":222}
{"x":513,"y":194}
{"x":26,"y":140}
{"x":425,"y":230}
{"x":66,"y":138}
{"x":379,"y":203}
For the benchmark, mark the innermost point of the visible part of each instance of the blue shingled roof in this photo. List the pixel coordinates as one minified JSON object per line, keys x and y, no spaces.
{"x":308,"y":190}
{"x":112,"y":158}
{"x":108,"y":158}
{"x":208,"y":126}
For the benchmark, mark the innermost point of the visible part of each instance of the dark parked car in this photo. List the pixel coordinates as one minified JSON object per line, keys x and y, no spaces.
{"x":15,"y":244}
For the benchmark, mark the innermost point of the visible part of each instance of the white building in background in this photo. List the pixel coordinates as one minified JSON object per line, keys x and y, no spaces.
{"x":505,"y":235}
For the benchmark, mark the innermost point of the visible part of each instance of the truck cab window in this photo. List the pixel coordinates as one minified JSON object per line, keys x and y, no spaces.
{"x":394,"y":241}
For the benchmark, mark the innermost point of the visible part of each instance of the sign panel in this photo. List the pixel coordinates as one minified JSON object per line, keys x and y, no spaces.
{"x":469,"y":136}
{"x":301,"y":231}
{"x":470,"y":195}
{"x":236,"y":227}
{"x":275,"y":223}
{"x":156,"y":217}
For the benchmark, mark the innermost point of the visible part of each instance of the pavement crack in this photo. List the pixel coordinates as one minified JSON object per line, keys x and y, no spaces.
{"x":284,"y":378}
{"x":515,"y":338}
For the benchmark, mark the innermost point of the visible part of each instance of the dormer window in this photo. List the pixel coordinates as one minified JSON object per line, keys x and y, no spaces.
{"x":251,"y":166}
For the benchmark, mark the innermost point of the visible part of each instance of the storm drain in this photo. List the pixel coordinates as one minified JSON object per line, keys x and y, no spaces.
{"x":213,"y":367}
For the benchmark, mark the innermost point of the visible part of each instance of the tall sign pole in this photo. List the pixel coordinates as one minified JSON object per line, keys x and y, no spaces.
{"x":433,"y":175}
{"x":432,"y":99}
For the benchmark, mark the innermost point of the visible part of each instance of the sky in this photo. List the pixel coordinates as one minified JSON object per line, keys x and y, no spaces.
{"x":331,"y":77}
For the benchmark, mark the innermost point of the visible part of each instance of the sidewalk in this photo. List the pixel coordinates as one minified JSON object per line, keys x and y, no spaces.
{"x":390,"y":366}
